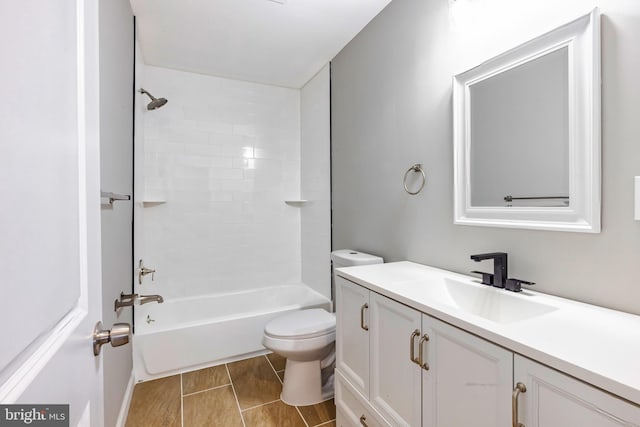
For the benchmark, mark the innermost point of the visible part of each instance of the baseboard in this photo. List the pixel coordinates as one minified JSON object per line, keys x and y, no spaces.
{"x":126,"y":401}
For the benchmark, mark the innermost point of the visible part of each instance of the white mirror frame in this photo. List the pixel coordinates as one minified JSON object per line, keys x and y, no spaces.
{"x":582,"y":38}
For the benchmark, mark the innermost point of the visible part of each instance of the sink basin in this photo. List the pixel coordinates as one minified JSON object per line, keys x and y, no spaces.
{"x":461,"y":293}
{"x":493,"y":304}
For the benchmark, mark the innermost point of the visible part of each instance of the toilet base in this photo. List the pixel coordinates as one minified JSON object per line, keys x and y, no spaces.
{"x":302,"y":385}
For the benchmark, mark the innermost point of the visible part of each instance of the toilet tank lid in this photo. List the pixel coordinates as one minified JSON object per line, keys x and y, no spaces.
{"x":349,"y":257}
{"x":302,"y":324}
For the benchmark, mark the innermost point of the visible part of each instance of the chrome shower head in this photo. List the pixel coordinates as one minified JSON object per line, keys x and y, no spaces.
{"x":155,"y":102}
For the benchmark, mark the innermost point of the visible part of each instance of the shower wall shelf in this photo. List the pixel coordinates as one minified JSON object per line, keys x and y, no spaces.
{"x":153,"y":197}
{"x":147,"y":203}
{"x":297,"y":203}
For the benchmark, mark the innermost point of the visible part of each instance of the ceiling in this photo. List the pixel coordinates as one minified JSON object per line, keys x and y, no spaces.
{"x":278,"y":42}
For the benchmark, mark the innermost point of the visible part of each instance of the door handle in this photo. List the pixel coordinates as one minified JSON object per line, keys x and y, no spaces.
{"x":424,"y":365}
{"x":412,"y":346}
{"x":117,"y":336}
{"x":363,"y":421}
{"x":362,"y":309}
{"x":520,"y":388}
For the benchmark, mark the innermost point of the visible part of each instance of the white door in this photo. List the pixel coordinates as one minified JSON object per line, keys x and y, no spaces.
{"x":395,"y":378}
{"x":50,"y":205}
{"x":469,"y":379}
{"x":352,"y":333}
{"x":552,"y":399}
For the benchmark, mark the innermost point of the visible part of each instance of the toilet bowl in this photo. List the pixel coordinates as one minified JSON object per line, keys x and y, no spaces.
{"x":307,"y":339}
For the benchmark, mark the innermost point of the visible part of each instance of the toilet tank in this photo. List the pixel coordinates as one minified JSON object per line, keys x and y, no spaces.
{"x":350,"y":258}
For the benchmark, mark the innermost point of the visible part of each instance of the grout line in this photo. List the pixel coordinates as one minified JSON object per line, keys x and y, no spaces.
{"x":262,"y":404}
{"x":181,"y":403}
{"x":303,"y":419}
{"x":274,"y":369}
{"x":325,"y":423}
{"x":209,"y":389}
{"x":234,"y":395}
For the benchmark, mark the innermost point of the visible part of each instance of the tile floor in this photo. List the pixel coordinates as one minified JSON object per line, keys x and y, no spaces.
{"x":243,"y":394}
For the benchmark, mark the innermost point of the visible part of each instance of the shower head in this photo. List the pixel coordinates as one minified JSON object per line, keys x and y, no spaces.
{"x":155,"y":102}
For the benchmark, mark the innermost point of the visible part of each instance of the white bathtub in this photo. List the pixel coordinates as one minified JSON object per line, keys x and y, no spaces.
{"x":192,"y":333}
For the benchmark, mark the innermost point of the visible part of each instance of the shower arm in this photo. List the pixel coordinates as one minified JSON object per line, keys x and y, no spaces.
{"x":153,"y":98}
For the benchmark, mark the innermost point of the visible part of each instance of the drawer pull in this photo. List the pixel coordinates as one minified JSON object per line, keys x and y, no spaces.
{"x":520,"y":388}
{"x":424,"y":365}
{"x":412,"y":346}
{"x":362,"y":309}
{"x":363,"y":421}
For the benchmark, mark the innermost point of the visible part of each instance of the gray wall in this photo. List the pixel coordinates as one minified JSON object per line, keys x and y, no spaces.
{"x":116,"y":175}
{"x":391,"y":108}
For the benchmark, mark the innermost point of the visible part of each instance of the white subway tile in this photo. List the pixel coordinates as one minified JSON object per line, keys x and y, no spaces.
{"x":225,"y":226}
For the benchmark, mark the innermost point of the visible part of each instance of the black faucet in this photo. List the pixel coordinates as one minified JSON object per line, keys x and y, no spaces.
{"x":499,"y":277}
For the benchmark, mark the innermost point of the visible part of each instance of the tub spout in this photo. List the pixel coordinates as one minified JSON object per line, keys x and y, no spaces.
{"x":143,"y":299}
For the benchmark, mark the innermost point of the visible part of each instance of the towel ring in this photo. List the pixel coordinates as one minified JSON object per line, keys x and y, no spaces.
{"x":415,"y":168}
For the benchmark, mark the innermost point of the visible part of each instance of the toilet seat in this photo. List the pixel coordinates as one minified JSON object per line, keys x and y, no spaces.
{"x":302,"y":324}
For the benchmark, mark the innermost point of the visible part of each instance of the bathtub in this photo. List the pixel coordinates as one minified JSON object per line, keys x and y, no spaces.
{"x":192,"y":333}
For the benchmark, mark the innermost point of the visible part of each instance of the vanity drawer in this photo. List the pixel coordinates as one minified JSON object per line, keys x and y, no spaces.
{"x":352,"y":410}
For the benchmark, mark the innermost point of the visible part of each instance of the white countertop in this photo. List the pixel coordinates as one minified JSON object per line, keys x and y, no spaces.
{"x":594,"y":344}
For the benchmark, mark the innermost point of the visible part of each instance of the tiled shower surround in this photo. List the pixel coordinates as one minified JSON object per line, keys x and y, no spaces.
{"x":224,"y":155}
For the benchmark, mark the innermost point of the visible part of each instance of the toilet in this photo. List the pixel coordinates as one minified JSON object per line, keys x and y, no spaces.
{"x":306,"y":338}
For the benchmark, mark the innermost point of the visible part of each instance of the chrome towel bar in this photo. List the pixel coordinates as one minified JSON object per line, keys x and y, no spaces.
{"x":511,"y":198}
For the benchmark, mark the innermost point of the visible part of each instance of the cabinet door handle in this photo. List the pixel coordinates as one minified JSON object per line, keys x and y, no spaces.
{"x":362,"y":309}
{"x":412,"y":345}
{"x":520,"y":388}
{"x":363,"y":421}
{"x":424,"y":365}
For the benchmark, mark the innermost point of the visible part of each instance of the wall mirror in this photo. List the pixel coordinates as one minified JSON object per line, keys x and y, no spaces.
{"x":527,"y":134}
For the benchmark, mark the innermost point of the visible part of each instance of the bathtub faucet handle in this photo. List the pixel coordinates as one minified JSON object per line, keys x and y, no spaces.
{"x":143,"y":271}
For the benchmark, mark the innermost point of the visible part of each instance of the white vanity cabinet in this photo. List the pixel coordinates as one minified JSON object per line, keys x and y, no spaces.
{"x":397,"y":366}
{"x":415,"y":370}
{"x":375,"y":379}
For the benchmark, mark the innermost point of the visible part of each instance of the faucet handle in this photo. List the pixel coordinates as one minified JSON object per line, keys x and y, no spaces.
{"x":487,"y":278}
{"x":143,"y":271}
{"x":515,"y":285}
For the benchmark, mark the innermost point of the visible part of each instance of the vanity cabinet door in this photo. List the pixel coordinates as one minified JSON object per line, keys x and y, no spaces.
{"x":352,"y":334}
{"x":395,"y":379}
{"x":469,"y":380}
{"x":553,"y":399}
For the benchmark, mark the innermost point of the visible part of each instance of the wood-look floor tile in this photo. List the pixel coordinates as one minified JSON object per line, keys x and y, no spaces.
{"x":212,"y":408}
{"x":319,"y":413}
{"x":255,"y":382}
{"x":276,"y":414}
{"x":330,"y":424}
{"x":156,"y":404}
{"x":204,"y":379}
{"x":278,"y":362}
{"x":281,"y":375}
